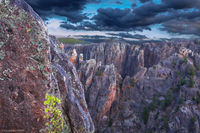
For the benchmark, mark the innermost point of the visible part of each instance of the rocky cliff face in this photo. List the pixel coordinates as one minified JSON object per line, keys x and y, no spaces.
{"x":31,"y":65}
{"x":152,"y":88}
{"x":66,"y":84}
{"x":24,"y":67}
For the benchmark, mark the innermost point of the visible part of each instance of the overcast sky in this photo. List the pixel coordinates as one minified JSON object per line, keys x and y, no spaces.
{"x":121,"y":18}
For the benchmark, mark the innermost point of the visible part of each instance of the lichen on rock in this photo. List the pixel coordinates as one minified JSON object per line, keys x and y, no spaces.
{"x":21,"y":92}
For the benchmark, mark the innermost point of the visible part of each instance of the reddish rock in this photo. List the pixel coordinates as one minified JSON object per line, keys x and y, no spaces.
{"x":24,"y":51}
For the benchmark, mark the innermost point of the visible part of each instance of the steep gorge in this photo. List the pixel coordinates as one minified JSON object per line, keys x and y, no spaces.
{"x":154,"y":88}
{"x":110,"y":87}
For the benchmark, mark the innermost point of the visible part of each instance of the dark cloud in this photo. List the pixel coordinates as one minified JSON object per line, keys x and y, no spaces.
{"x":149,"y":13}
{"x":140,"y":18}
{"x":72,"y":9}
{"x":175,"y":16}
{"x":119,"y":2}
{"x":91,"y":36}
{"x":69,"y":26}
{"x":143,"y":1}
{"x":82,"y":26}
{"x":183,"y":26}
{"x":128,"y":35}
{"x":181,"y":4}
{"x":133,"y":5}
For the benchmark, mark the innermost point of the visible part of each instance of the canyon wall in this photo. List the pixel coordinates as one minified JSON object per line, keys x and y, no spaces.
{"x":152,"y":87}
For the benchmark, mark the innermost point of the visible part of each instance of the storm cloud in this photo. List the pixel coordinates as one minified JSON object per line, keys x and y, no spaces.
{"x":174,"y":16}
{"x":146,"y":15}
{"x":72,"y":9}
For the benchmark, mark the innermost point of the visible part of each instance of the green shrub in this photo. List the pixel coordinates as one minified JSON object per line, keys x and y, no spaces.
{"x":174,"y":62}
{"x":191,"y":71}
{"x":53,"y":115}
{"x":177,"y":108}
{"x":177,"y":89}
{"x":132,"y":82}
{"x":192,"y":124}
{"x":154,"y":104}
{"x":99,"y":73}
{"x":182,"y":81}
{"x":178,"y":73}
{"x":168,"y":100}
{"x":193,"y":120}
{"x":197,"y":98}
{"x":145,"y":115}
{"x":165,"y":124}
{"x":166,"y":78}
{"x":180,"y":101}
{"x":169,"y":97}
{"x":191,"y":82}
{"x":185,"y":60}
{"x":110,"y":122}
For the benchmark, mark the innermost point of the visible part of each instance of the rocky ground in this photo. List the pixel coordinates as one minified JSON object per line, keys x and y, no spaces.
{"x":110,"y":87}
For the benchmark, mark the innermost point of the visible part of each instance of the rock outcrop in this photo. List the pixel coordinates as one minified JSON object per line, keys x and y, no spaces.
{"x":24,"y":68}
{"x":31,"y":65}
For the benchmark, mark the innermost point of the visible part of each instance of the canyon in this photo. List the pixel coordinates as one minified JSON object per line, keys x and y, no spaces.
{"x":155,"y":85}
{"x":108,"y":87}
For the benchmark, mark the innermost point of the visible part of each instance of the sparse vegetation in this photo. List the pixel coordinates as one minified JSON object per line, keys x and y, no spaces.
{"x":191,"y":71}
{"x":165,"y":124}
{"x":168,"y":100}
{"x":110,"y":122}
{"x":178,"y":73}
{"x":191,"y":82}
{"x":182,"y":81}
{"x":154,"y":104}
{"x":196,"y":98}
{"x":192,"y":124}
{"x":174,"y":62}
{"x":185,"y":60}
{"x":133,"y":82}
{"x":145,"y":115}
{"x":180,"y":101}
{"x":53,"y":115}
{"x":99,"y":73}
{"x":69,"y":40}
